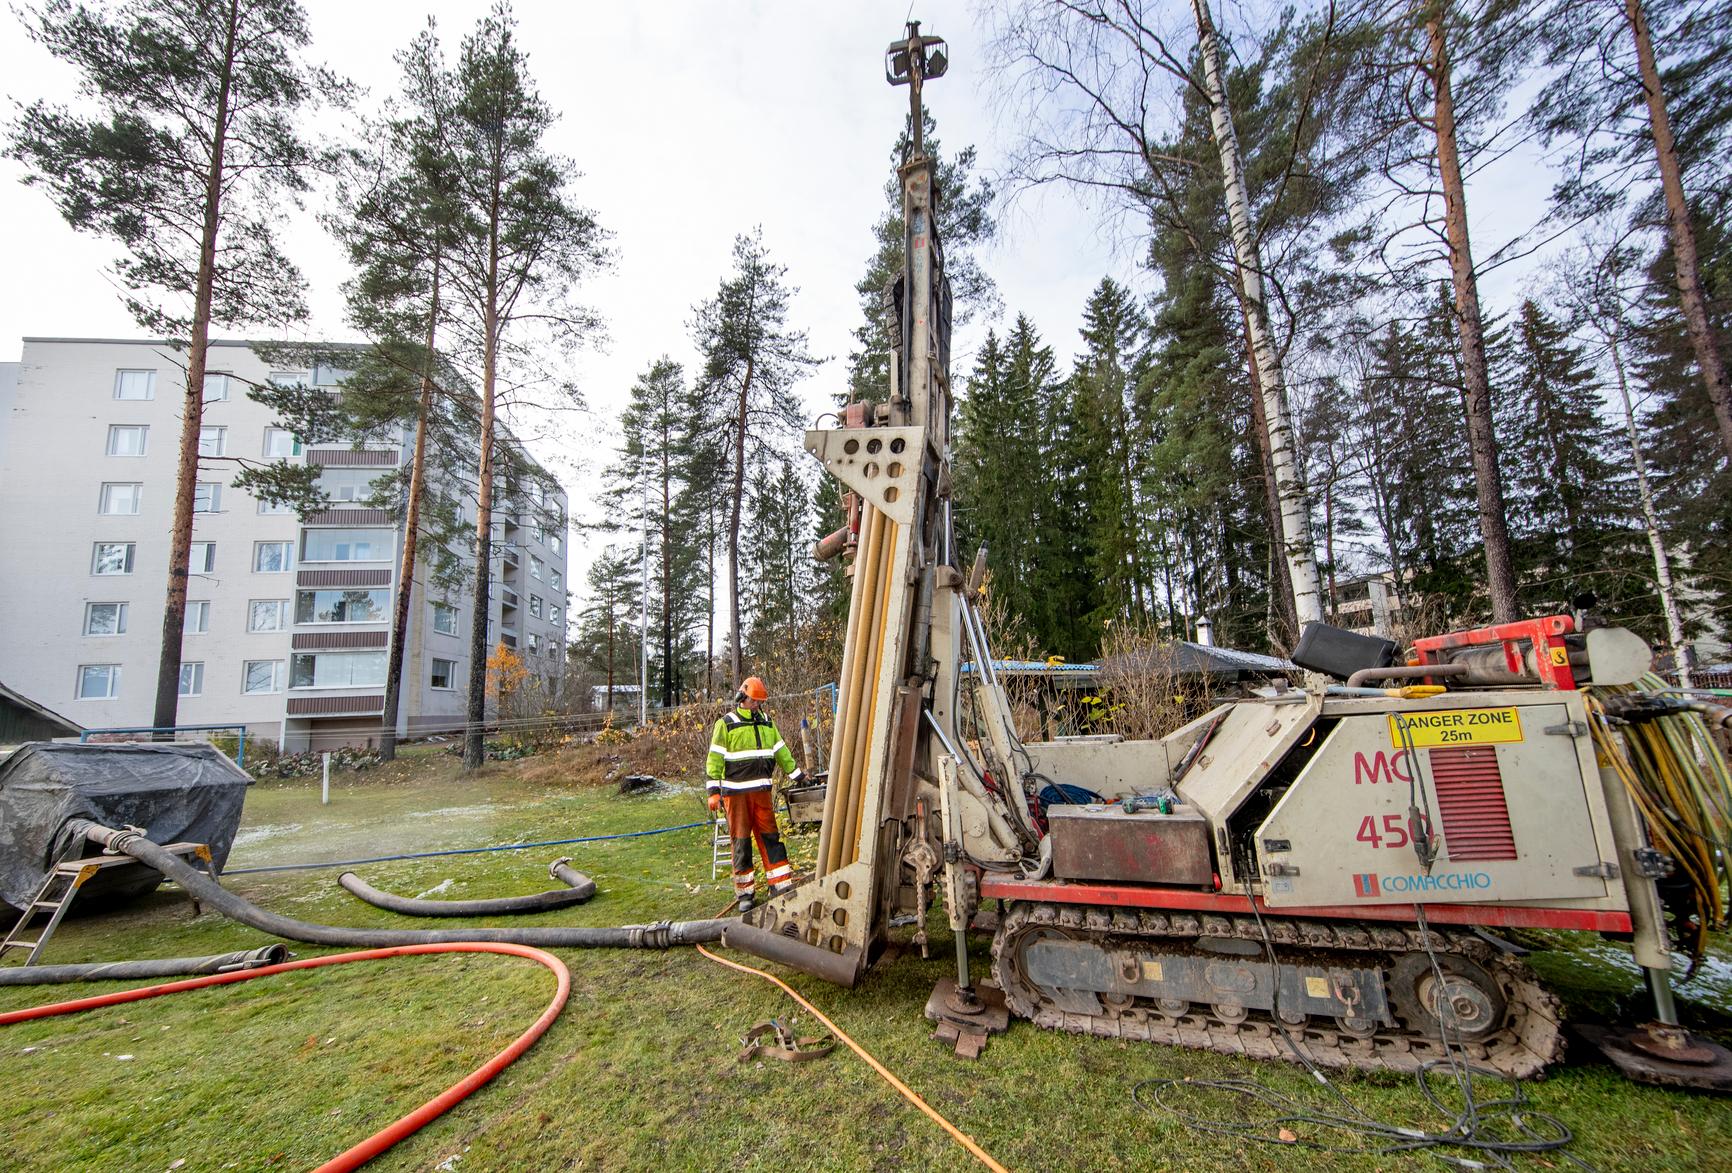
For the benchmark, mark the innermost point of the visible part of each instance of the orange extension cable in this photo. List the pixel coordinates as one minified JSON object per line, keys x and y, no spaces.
{"x":383,"y":1139}
{"x":961,"y":1137}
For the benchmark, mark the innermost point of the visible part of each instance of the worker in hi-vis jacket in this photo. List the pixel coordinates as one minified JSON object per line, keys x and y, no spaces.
{"x":745,"y":750}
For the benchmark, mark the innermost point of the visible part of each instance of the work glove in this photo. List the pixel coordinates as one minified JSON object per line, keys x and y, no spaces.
{"x":797,"y":776}
{"x":715,"y":802}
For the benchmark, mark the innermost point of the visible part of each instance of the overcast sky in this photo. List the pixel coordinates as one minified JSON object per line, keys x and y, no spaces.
{"x":692,"y":122}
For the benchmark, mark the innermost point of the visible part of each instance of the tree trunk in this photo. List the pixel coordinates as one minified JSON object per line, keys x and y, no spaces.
{"x":166,"y":712}
{"x":1683,"y":655}
{"x":474,"y":748}
{"x":735,"y":659}
{"x":1702,"y":339}
{"x":667,"y":581}
{"x":1481,"y":436}
{"x":1295,"y":528}
{"x":1281,"y":579}
{"x":411,"y":533}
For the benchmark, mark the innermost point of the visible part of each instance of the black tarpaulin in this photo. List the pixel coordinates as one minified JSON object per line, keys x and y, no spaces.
{"x":176,"y":792}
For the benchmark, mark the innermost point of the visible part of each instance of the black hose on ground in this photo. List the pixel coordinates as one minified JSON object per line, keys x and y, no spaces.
{"x":117,"y":971}
{"x":206,"y":890}
{"x":579,"y":888}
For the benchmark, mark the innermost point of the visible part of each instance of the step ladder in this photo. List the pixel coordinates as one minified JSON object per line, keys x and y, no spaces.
{"x":63,"y":883}
{"x":721,"y":846}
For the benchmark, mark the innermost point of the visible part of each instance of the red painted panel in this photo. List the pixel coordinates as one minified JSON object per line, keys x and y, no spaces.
{"x":994,"y":887}
{"x":1470,"y":802}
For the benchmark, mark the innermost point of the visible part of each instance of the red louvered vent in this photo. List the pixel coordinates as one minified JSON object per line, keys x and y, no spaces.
{"x":1470,"y":801}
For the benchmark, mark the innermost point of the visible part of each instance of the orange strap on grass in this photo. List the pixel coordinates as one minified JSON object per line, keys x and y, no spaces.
{"x":961,"y":1137}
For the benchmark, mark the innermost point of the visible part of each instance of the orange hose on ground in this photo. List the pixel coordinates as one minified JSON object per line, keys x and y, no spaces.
{"x":383,"y":1139}
{"x":961,"y":1137}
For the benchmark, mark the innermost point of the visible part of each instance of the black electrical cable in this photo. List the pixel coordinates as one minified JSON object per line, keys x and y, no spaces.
{"x":1469,"y":1127}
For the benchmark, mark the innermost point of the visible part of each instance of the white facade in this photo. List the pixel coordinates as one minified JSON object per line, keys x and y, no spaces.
{"x":287,"y":622}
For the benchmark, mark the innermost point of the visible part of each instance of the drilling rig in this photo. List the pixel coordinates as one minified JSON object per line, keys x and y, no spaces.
{"x":1313,"y":868}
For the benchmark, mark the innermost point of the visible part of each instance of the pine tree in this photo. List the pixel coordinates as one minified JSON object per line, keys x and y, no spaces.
{"x":607,"y":639}
{"x":752,"y":359}
{"x":519,"y":247}
{"x":778,"y":562}
{"x":188,"y":160}
{"x":646,"y":484}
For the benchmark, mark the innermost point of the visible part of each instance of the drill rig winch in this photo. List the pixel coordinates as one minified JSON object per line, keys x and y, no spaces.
{"x":1313,"y":867}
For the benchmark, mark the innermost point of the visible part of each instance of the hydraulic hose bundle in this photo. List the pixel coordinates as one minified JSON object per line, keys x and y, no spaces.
{"x":1661,"y":747}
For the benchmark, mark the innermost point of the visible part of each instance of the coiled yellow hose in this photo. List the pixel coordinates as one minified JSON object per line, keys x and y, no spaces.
{"x":1679,"y":779}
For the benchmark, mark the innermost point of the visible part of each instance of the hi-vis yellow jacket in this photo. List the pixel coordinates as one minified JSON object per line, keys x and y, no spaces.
{"x":745,"y":750}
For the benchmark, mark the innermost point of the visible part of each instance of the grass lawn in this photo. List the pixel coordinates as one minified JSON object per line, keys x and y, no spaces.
{"x":286,"y":1071}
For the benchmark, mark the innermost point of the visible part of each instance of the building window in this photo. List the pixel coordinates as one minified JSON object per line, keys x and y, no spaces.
{"x":444,"y":675}
{"x":534,"y":567}
{"x":262,"y":676}
{"x":216,"y":386}
{"x":98,"y":681}
{"x":126,"y":439}
{"x":267,"y":614}
{"x":135,"y":384}
{"x":111,"y":558}
{"x":537,"y":534}
{"x":197,"y":617}
{"x":118,"y":498}
{"x":350,"y":606}
{"x":534,"y":643}
{"x":346,"y":545}
{"x":348,"y":484}
{"x":555,"y":543}
{"x":267,"y":508}
{"x":105,"y":619}
{"x":552,"y":613}
{"x":213,"y":441}
{"x":445,"y":618}
{"x":338,"y":670}
{"x":555,"y":580}
{"x":192,"y":678}
{"x":280,"y":442}
{"x":273,"y":557}
{"x":207,"y":497}
{"x":201,"y":558}
{"x":535,"y":605}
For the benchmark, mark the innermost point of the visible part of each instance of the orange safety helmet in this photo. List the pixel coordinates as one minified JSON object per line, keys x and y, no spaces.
{"x":754,"y":688}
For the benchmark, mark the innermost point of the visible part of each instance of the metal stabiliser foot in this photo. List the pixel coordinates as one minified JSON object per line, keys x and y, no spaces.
{"x":1669,"y":1056}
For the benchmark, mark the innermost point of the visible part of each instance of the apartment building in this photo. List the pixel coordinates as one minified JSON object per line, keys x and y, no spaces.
{"x":1370,"y":604}
{"x":287,"y":621}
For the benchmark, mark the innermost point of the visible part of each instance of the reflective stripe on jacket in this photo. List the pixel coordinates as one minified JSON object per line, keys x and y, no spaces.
{"x":745,"y":750}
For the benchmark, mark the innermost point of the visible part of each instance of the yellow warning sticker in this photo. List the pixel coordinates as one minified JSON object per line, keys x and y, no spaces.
{"x":1316,"y":987}
{"x":1456,"y":727}
{"x":1151,"y":971}
{"x":1560,"y":656}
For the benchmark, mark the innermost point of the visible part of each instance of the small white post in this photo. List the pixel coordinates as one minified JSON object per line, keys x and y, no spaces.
{"x":325,"y":787}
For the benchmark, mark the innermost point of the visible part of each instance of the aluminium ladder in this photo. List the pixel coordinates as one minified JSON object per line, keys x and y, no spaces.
{"x":63,"y":882}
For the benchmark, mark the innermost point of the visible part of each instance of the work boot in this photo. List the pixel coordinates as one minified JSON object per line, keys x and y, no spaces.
{"x":779,"y":889}
{"x":745,"y":903}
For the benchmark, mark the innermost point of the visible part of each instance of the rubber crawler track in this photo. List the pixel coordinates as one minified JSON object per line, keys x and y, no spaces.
{"x":1529,"y":1039}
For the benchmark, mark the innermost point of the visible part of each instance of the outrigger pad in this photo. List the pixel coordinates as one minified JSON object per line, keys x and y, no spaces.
{"x":1710,"y":1070}
{"x":967,"y":1033}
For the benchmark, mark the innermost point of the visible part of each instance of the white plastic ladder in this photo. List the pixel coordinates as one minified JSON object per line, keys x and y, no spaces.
{"x":721,"y":846}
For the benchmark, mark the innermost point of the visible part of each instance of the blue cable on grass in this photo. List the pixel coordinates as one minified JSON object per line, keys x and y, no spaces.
{"x":343,"y":863}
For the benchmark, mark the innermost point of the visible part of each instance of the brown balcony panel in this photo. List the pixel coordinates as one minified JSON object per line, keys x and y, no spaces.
{"x":350,"y":517}
{"x":326,"y":641}
{"x":335,"y":706}
{"x":343,"y":578}
{"x":349,"y":458}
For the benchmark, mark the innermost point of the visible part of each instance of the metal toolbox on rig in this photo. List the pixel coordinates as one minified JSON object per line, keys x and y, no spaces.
{"x":1102,"y":842}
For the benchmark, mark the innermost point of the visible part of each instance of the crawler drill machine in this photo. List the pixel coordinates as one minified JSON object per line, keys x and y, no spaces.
{"x":1315,"y":867}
